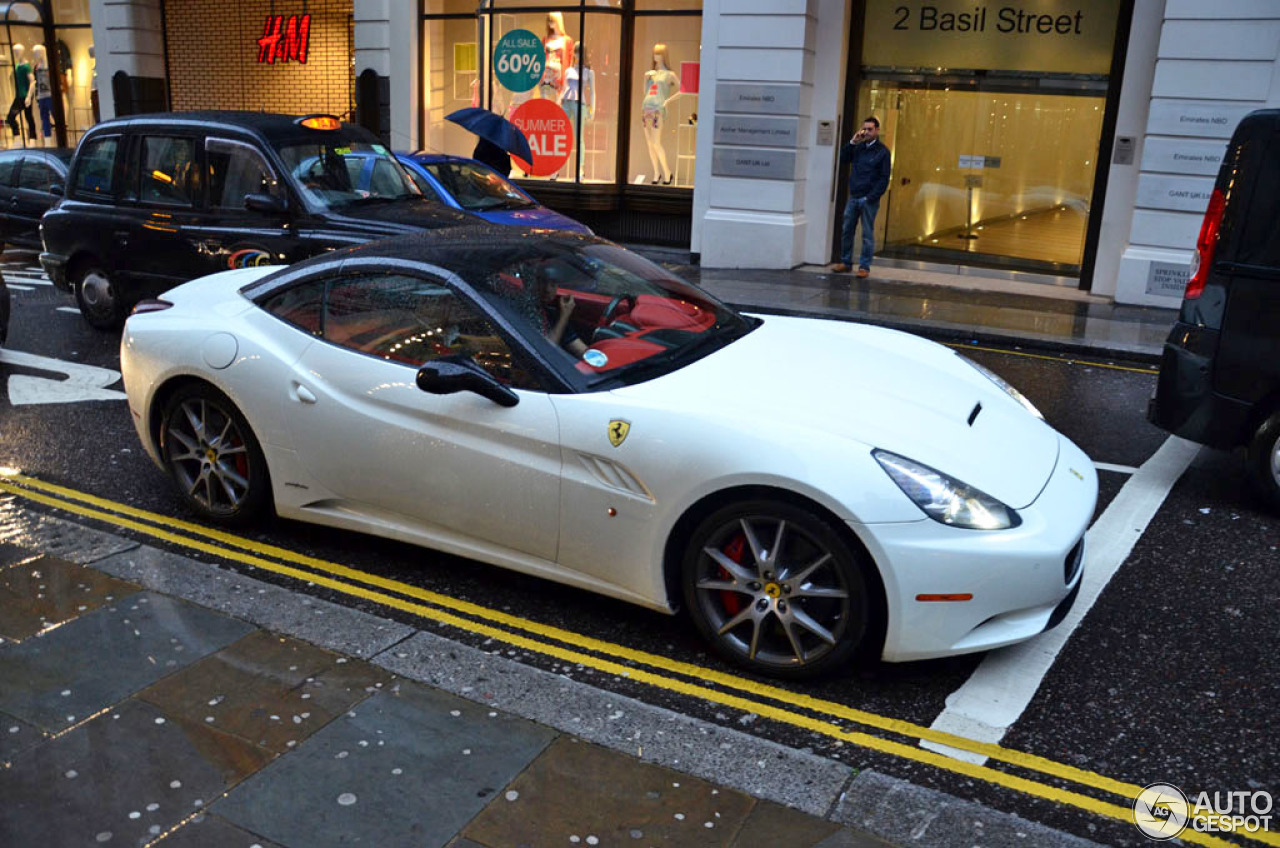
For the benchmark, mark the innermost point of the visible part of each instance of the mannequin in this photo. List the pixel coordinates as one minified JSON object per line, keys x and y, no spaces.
{"x":24,"y":90}
{"x":559,"y":48}
{"x":661,"y":86}
{"x":44,"y":94}
{"x":579,"y":100}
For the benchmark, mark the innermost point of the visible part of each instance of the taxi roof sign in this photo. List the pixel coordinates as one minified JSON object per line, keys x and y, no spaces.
{"x":320,"y":122}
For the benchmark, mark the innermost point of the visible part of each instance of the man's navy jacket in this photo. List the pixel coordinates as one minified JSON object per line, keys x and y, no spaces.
{"x":869,"y":176}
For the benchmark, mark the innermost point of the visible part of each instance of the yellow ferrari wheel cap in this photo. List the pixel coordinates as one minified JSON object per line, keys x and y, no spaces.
{"x":618,"y":430}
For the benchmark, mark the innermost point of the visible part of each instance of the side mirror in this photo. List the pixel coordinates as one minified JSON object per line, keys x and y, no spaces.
{"x":450,"y":374}
{"x":57,"y":189}
{"x":265,"y":203}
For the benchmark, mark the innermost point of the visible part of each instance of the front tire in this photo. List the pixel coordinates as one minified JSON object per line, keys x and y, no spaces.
{"x":775,"y":589}
{"x":98,"y":298}
{"x":213,"y":457}
{"x":1264,"y":460}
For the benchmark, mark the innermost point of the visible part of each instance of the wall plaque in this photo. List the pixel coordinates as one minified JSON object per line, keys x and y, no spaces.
{"x":1167,"y":279}
{"x":1183,"y":156}
{"x":760,"y":131}
{"x":758,"y":163}
{"x":1182,"y":117}
{"x":1180,"y":194}
{"x":758,"y":98}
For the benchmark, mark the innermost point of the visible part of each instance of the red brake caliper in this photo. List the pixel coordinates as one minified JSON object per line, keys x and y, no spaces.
{"x":735,"y":550}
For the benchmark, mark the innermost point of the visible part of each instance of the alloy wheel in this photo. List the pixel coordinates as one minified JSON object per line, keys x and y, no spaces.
{"x":775,"y":594}
{"x":208,"y":456}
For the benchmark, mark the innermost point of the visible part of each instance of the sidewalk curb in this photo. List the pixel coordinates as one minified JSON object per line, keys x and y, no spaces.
{"x":940,"y":331}
{"x":875,"y":803}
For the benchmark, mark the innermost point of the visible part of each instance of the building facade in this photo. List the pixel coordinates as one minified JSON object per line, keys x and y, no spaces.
{"x":1075,"y":139}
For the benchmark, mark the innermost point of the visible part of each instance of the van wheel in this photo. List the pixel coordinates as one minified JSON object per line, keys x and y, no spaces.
{"x":98,"y":298}
{"x":1264,"y":460}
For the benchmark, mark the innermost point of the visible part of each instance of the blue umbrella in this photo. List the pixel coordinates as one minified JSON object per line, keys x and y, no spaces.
{"x":495,"y":128}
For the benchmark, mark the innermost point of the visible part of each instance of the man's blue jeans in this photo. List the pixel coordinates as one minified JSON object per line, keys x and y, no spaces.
{"x":856,"y":208}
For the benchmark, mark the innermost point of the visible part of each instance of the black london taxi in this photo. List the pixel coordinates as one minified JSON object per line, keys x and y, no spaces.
{"x":27,"y":180}
{"x":1220,"y":371}
{"x":152,"y":201}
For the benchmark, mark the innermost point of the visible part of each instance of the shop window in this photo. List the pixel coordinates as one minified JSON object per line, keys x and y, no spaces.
{"x":237,"y":170}
{"x":168,"y":171}
{"x":95,"y":170}
{"x":557,"y":74}
{"x":664,"y":100}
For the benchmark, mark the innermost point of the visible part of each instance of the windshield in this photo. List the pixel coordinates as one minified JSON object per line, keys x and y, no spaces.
{"x":618,"y":316}
{"x":477,"y":188}
{"x":333,"y":172}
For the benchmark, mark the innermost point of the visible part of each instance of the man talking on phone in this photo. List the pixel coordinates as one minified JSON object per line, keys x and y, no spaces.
{"x":868,"y":161}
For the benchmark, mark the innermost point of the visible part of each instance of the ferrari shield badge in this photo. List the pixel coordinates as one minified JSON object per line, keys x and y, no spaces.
{"x":618,"y":430}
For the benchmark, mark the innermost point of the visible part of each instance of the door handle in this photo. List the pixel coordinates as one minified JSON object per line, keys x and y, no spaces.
{"x":303,"y":393}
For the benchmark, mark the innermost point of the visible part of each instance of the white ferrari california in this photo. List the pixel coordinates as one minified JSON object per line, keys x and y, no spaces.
{"x":552,"y":403}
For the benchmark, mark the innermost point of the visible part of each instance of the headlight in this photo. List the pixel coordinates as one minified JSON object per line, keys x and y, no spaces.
{"x":1004,"y":384}
{"x":944,"y":499}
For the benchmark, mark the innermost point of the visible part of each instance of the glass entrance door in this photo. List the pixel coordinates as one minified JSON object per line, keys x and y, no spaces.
{"x":1002,"y":178}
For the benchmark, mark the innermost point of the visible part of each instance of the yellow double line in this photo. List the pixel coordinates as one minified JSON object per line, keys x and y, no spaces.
{"x":771,"y":702}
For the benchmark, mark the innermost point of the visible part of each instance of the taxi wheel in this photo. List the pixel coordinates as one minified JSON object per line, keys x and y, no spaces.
{"x":775,"y":589}
{"x":1264,"y":460}
{"x":213,"y":456}
{"x":98,"y":299}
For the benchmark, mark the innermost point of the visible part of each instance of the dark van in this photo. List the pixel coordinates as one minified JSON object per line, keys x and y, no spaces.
{"x":152,"y":201}
{"x":1220,"y":373}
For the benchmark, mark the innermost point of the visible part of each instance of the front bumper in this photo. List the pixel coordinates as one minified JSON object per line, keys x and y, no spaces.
{"x":55,"y":266}
{"x":1022,"y":580}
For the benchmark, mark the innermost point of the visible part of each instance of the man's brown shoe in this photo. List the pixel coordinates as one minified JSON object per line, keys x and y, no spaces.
{"x":863,"y":272}
{"x":839,"y":267}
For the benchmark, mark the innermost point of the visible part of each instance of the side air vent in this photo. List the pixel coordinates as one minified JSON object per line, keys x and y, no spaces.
{"x":614,"y":476}
{"x":973,"y":416}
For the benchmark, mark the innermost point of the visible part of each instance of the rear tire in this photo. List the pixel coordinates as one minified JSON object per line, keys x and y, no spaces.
{"x":213,"y":457}
{"x":98,"y":298}
{"x":1264,"y":460}
{"x":776,"y":589}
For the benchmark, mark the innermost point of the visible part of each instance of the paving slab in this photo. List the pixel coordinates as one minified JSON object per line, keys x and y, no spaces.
{"x":17,"y":736}
{"x":44,"y":592}
{"x":11,"y":554}
{"x":276,"y":608}
{"x":576,"y":789}
{"x":408,"y":767}
{"x":123,"y":778}
{"x":272,"y":690}
{"x":209,"y":831}
{"x":738,"y":760}
{"x":69,"y":673}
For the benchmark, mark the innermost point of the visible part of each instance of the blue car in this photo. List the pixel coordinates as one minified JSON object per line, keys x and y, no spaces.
{"x":476,"y":188}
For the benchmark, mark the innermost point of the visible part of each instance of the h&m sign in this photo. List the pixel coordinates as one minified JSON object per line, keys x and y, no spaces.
{"x":285,"y":39}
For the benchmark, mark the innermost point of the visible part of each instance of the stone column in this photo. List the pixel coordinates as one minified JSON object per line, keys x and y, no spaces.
{"x":129,"y":48}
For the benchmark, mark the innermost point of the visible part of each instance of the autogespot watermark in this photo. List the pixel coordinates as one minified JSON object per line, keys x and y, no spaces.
{"x":1162,"y":811}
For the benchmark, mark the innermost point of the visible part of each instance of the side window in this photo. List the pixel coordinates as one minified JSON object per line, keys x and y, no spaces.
{"x":168,"y":171}
{"x":37,"y":175}
{"x":425,"y":187}
{"x":96,"y":168}
{"x":301,"y":306}
{"x":386,"y":181}
{"x":6,"y":169}
{"x":235,"y":170}
{"x":414,"y":320}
